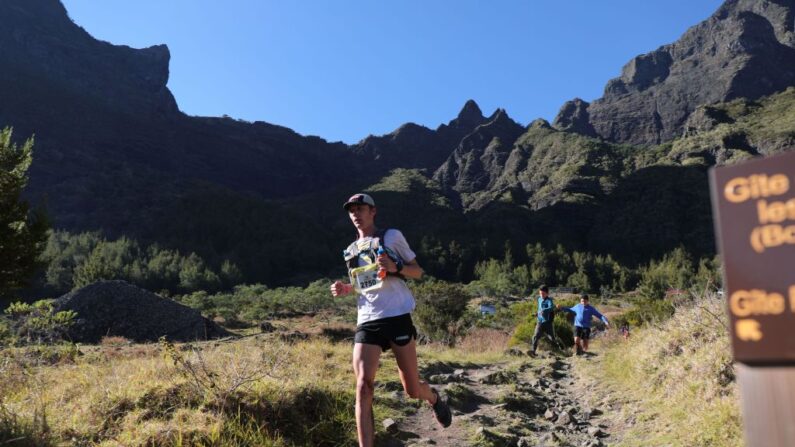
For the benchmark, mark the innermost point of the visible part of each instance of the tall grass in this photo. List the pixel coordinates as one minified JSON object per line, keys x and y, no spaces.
{"x":251,"y":391}
{"x":232,"y":393}
{"x":677,"y":379}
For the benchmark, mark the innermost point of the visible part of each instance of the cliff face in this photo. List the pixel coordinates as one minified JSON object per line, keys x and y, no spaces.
{"x":111,"y":143}
{"x":39,"y":40}
{"x":479,"y":158}
{"x":746,"y":49}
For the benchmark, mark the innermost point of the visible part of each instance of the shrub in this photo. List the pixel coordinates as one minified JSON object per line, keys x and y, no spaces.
{"x":440,"y":306}
{"x":37,"y":323}
{"x":507,"y":317}
{"x":675,"y":270}
{"x":646,"y":311}
{"x":79,"y":260}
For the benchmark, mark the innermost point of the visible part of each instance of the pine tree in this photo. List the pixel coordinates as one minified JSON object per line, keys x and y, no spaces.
{"x":23,"y":231}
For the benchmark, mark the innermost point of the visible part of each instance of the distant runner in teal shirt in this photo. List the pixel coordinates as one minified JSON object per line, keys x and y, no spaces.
{"x":544,"y":316}
{"x":582,"y":322}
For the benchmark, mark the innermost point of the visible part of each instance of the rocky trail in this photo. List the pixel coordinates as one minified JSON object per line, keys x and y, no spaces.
{"x":528,"y":401}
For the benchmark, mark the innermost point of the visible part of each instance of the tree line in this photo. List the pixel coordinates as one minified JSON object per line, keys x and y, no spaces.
{"x":57,"y":261}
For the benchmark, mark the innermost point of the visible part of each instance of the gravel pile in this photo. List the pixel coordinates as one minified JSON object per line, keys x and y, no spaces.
{"x":117,"y":308}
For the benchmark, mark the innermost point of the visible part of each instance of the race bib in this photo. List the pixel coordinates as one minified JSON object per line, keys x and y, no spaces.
{"x":365,"y":279}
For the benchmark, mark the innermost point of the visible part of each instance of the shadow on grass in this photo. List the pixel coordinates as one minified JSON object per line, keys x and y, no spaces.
{"x":337,"y":334}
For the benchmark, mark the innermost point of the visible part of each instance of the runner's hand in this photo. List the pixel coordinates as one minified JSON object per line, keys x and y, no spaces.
{"x":340,"y":288}
{"x":386,"y":263}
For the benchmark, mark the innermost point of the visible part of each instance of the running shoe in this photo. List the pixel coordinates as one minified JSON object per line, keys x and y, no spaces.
{"x":441,"y":410}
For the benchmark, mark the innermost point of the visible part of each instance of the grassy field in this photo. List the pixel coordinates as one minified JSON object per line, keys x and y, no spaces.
{"x":671,"y":383}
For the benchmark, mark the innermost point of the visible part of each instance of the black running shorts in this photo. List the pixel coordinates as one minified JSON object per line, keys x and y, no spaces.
{"x":582,"y":332}
{"x":399,"y":330}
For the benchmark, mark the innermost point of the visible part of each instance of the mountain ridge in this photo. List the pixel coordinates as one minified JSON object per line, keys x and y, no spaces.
{"x":128,"y":162}
{"x":745,"y":49}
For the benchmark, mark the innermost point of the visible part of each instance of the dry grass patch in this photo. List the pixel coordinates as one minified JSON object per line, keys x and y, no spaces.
{"x":190,"y":393}
{"x":673,"y":375}
{"x":484,"y":340}
{"x":256,"y":390}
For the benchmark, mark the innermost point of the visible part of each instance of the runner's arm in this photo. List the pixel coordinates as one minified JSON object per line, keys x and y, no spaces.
{"x":411,"y":269}
{"x":601,"y":317}
{"x":397,"y":242}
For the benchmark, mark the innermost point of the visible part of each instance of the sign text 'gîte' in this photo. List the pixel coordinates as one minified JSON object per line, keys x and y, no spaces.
{"x":753,"y":207}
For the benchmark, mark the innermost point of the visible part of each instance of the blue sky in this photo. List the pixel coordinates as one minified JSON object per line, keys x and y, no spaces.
{"x":349,"y":68}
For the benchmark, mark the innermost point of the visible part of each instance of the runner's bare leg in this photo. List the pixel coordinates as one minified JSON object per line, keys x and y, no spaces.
{"x":365,"y":365}
{"x":406,"y":357}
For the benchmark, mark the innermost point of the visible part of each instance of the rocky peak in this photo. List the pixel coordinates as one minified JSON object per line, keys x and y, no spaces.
{"x":746,"y":49}
{"x":469,"y":117}
{"x":502,"y":126}
{"x":779,"y":13}
{"x":410,"y":145}
{"x":480,"y":156}
{"x":573,"y":117}
{"x":499,"y":115}
{"x":641,"y":73}
{"x":539,"y":123}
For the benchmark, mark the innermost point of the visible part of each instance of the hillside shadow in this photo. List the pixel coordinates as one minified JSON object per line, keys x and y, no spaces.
{"x":653,"y":211}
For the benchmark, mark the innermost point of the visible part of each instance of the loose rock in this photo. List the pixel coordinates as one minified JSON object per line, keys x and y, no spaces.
{"x":515,"y":352}
{"x":499,"y":378}
{"x":564,"y":418}
{"x":595,"y":431}
{"x":526,"y":441}
{"x":390,"y":426}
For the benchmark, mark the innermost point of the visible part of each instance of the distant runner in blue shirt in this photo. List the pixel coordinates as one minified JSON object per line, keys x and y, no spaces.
{"x":582,"y":322}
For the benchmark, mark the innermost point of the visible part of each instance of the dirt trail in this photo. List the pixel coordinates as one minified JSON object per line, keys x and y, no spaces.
{"x":522,"y":402}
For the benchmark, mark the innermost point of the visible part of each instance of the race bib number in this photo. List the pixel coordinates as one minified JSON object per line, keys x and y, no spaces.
{"x":365,"y":279}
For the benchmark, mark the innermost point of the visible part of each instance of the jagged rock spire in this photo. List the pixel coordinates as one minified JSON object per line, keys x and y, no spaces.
{"x":469,"y":116}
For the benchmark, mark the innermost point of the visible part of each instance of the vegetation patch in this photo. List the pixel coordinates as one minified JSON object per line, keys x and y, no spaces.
{"x":682,"y":368}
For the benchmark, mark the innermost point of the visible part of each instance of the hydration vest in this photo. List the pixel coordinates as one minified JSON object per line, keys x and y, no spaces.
{"x":354,"y":252}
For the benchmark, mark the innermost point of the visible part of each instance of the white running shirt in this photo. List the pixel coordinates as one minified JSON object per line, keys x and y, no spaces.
{"x":394,"y":297}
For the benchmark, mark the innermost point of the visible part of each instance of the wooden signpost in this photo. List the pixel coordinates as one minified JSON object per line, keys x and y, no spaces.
{"x":754,"y":213}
